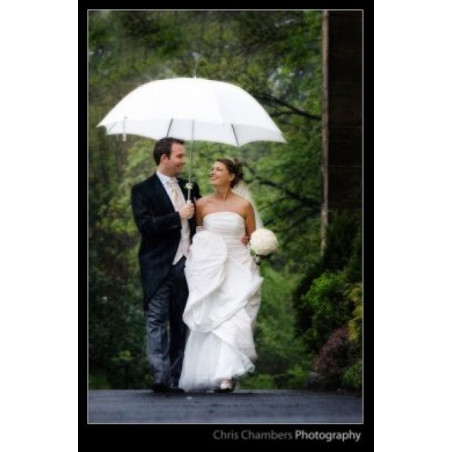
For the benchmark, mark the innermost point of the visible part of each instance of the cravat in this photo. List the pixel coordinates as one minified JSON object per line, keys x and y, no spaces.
{"x":175,"y":196}
{"x":178,"y":201}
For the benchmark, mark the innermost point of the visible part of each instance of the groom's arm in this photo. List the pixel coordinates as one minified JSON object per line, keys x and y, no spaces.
{"x":147,"y":222}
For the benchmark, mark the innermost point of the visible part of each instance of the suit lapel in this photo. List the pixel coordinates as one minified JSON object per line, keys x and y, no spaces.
{"x":182,"y":187}
{"x":159,"y":192}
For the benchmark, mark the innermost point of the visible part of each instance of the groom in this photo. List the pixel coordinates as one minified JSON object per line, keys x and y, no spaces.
{"x":166,"y":224}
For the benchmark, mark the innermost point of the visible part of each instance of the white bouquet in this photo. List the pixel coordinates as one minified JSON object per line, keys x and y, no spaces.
{"x":263,"y":242}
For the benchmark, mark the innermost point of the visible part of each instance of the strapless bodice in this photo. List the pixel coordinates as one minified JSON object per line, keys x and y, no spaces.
{"x":227,"y":224}
{"x":231,"y":227}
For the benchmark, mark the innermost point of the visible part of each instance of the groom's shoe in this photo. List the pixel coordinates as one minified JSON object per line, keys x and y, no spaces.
{"x":164,"y":388}
{"x":176,"y":389}
{"x":174,"y":385}
{"x":160,"y":387}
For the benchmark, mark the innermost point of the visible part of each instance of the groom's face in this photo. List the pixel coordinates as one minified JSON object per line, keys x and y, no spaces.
{"x":177,"y":160}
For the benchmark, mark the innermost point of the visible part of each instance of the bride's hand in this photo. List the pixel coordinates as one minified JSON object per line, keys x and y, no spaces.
{"x":245,"y":240}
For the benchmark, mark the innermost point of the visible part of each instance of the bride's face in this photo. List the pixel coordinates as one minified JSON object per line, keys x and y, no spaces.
{"x":219,"y":175}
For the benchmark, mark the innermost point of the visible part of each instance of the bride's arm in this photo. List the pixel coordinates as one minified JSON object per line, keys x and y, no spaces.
{"x":199,"y":211}
{"x":250,"y":220}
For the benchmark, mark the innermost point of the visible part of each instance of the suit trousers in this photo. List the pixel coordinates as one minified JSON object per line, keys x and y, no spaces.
{"x":165,"y":350}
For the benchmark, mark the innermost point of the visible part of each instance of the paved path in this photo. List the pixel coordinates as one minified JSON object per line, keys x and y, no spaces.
{"x":242,"y":406}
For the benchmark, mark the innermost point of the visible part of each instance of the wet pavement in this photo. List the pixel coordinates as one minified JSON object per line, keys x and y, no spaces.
{"x":242,"y":406}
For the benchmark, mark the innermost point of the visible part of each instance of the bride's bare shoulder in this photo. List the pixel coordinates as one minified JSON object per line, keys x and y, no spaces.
{"x":201,"y":202}
{"x":243,"y":202}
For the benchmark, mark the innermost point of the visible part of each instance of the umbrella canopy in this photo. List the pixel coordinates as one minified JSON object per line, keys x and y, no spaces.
{"x":192,"y":109}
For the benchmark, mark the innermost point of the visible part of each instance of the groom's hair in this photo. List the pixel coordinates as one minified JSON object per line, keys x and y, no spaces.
{"x":163,"y":146}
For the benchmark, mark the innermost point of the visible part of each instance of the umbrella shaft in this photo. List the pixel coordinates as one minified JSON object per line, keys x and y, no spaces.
{"x":191,"y":150}
{"x":191,"y":161}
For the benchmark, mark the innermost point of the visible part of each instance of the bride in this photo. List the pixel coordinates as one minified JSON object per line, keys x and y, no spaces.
{"x":224,"y":286}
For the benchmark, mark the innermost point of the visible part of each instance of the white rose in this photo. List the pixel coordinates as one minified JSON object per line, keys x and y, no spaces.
{"x":263,"y":242}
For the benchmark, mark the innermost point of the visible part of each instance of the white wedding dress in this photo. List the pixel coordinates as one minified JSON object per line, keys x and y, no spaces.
{"x":224,"y":287}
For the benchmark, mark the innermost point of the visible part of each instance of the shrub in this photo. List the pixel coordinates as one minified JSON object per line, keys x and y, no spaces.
{"x":330,"y":306}
{"x":355,"y":295}
{"x":258,"y":381}
{"x":352,"y":377}
{"x":98,"y":381}
{"x":297,"y":377}
{"x":342,"y":255}
{"x":333,"y":358}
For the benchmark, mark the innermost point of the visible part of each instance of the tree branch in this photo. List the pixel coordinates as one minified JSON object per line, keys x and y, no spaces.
{"x":308,"y":202}
{"x":295,"y":223}
{"x":273,"y":203}
{"x":268,"y":98}
{"x":283,"y":113}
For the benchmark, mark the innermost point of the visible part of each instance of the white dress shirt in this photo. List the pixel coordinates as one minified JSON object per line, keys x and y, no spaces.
{"x":184,"y":243}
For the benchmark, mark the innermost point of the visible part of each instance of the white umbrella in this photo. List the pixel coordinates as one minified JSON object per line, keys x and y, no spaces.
{"x":193,"y":109}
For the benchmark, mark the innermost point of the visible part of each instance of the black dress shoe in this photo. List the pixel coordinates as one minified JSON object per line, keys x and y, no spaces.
{"x":174,"y":386}
{"x":163,"y":388}
{"x":176,"y":389}
{"x":160,"y":387}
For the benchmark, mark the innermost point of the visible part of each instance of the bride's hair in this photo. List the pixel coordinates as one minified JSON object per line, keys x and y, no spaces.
{"x":234,"y":167}
{"x":238,"y":185}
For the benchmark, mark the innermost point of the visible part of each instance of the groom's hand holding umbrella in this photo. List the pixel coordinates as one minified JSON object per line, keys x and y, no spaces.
{"x":187,"y":211}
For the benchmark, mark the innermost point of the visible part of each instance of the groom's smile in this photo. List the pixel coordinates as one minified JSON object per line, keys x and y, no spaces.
{"x":175,"y":163}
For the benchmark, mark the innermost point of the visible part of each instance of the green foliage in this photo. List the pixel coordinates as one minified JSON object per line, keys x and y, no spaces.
{"x":275,"y":343}
{"x":258,"y":381}
{"x":329,"y":297}
{"x":353,"y":269}
{"x":331,"y":309}
{"x":98,"y":381}
{"x":324,"y":283}
{"x":280,"y":354}
{"x":116,"y":337}
{"x":297,"y":377}
{"x":352,"y":376}
{"x":342,"y":241}
{"x":355,"y":295}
